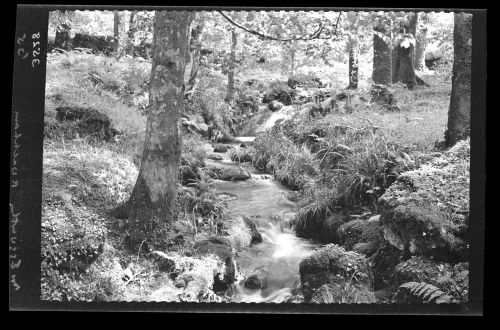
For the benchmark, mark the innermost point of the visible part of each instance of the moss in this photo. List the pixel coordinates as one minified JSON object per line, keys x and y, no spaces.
{"x":332,"y":264}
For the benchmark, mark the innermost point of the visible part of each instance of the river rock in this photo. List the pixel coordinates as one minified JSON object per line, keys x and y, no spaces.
{"x":242,"y":232}
{"x":426,"y":211}
{"x":256,"y":280}
{"x":221,"y":248}
{"x":324,"y":229}
{"x":366,"y":232}
{"x":333,"y":264}
{"x":228,"y":173}
{"x":275,"y":105}
{"x":214,"y":157}
{"x":221,"y":148}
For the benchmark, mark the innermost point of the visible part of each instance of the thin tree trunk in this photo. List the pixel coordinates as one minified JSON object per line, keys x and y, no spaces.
{"x":116,"y":32}
{"x":382,"y":61}
{"x":460,"y":108}
{"x":353,"y":63}
{"x":152,"y":205}
{"x":196,"y":37}
{"x":230,"y":73}
{"x":131,"y":34}
{"x":420,"y":48}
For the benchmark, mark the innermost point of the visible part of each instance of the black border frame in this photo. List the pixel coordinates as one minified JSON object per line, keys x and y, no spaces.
{"x":28,"y":97}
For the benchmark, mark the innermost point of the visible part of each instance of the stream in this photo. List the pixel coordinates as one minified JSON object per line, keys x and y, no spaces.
{"x":281,"y":251}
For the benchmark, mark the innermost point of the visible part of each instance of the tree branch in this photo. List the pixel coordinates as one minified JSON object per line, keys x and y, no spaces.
{"x":315,"y":35}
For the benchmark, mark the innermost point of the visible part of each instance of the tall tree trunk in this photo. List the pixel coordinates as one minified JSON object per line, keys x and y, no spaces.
{"x":152,"y":205}
{"x":116,"y":32}
{"x":404,"y":53}
{"x":459,"y":112}
{"x":382,"y":61}
{"x":131,"y":34}
{"x":196,"y":37}
{"x":421,"y":44}
{"x":420,"y":48}
{"x":63,"y":39}
{"x":353,"y":63}
{"x":230,"y":72}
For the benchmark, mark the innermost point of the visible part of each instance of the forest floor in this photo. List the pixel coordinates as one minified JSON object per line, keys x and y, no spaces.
{"x":85,"y":178}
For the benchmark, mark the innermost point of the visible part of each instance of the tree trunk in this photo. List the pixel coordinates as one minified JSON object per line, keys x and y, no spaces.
{"x":196,"y":37}
{"x":403,"y":66}
{"x":382,"y":62}
{"x":131,"y":34}
{"x":353,"y":63}
{"x":63,"y":39}
{"x":116,"y":32}
{"x":152,"y":205}
{"x":420,"y":47}
{"x":230,"y":72}
{"x":459,"y":112}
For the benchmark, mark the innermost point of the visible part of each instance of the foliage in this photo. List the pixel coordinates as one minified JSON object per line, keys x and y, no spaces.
{"x":422,"y":293}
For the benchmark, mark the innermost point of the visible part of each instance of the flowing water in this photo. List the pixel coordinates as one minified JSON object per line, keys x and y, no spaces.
{"x":281,"y":251}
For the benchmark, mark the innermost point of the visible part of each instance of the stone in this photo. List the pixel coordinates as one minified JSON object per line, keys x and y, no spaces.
{"x":274,"y":105}
{"x":333,"y":264}
{"x":256,"y":280}
{"x":221,"y":248}
{"x":426,"y":210}
{"x":89,"y":121}
{"x":383,"y":96}
{"x":324,"y":229}
{"x":221,"y":148}
{"x":228,"y":173}
{"x":214,"y":157}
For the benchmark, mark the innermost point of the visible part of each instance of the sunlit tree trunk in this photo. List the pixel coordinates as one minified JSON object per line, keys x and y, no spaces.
{"x":116,"y":32}
{"x":382,"y":61}
{"x":131,"y":34}
{"x":460,"y":108}
{"x":230,"y":73}
{"x":196,"y":37}
{"x":152,"y":205}
{"x":353,"y":62}
{"x":421,"y":44}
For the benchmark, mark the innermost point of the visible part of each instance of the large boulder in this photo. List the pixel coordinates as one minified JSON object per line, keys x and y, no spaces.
{"x":360,"y":233}
{"x":324,"y":229}
{"x":221,"y":148}
{"x":279,"y":91}
{"x":241,"y":231}
{"x":221,"y":248}
{"x":256,"y":280}
{"x":89,"y":121}
{"x":333,"y":264}
{"x":228,"y":173}
{"x":426,"y":211}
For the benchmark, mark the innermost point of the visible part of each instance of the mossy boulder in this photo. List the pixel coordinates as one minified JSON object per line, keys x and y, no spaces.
{"x":324,"y":229}
{"x":360,"y":235}
{"x":241,"y":232}
{"x":87,"y":121}
{"x":221,"y":248}
{"x":426,"y":211}
{"x":256,"y":280}
{"x":333,"y":264}
{"x":221,"y":148}
{"x":227,"y":173}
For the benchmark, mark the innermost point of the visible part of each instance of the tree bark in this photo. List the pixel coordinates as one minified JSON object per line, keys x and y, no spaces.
{"x":353,"y":63}
{"x":131,"y":34}
{"x":459,"y":111}
{"x":63,"y":39}
{"x":230,"y":72}
{"x":382,"y":61}
{"x":152,"y":204}
{"x":116,"y":32}
{"x":403,"y":66}
{"x":420,"y":48}
{"x":196,"y":37}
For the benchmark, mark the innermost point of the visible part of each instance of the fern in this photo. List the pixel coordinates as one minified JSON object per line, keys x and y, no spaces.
{"x":419,"y":292}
